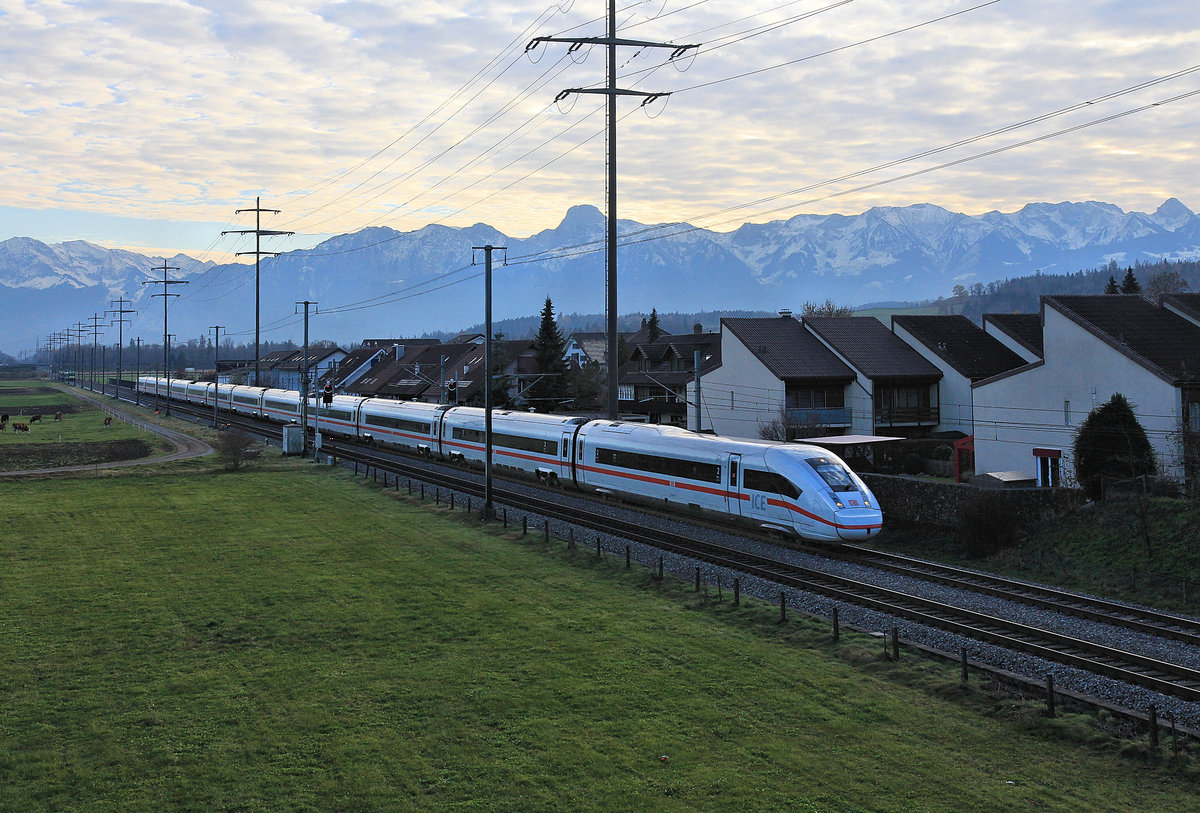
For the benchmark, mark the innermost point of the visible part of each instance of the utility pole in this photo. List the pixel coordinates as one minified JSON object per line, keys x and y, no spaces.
{"x":216,"y":376}
{"x":94,"y":329}
{"x":610,"y":238}
{"x":137,"y":393}
{"x":55,"y":343}
{"x":259,"y":232}
{"x":166,"y":295}
{"x":120,"y":310}
{"x":80,"y":332}
{"x":304,"y":377}
{"x":488,"y":510}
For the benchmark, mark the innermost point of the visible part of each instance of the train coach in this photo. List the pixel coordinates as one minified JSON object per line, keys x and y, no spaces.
{"x":793,"y":488}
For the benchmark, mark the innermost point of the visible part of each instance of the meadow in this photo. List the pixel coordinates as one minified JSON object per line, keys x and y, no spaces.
{"x":80,"y":437}
{"x":286,"y":637}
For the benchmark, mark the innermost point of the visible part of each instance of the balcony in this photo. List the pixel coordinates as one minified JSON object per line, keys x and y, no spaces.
{"x":819,"y":417}
{"x":908,"y":416}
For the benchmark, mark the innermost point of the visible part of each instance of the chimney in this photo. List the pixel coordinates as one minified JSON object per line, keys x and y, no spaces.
{"x":785,"y":313}
{"x":399,"y":350}
{"x":697,"y":328}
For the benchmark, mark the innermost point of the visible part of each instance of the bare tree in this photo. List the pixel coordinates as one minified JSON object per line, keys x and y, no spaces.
{"x":233,"y":448}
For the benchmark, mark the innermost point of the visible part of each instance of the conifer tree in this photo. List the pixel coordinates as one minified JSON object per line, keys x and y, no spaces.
{"x":549,"y":391}
{"x":1130,"y":285}
{"x":653,"y":328}
{"x":1112,"y":287}
{"x":1111,"y":443}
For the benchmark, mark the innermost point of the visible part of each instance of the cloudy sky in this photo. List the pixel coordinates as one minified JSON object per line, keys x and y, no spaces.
{"x":145,"y":125}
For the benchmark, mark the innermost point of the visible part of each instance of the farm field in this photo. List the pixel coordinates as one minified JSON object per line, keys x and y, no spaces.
{"x":80,"y":437}
{"x":285,"y":637}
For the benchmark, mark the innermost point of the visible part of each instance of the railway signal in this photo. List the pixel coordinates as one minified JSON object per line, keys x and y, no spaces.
{"x":327,"y":394}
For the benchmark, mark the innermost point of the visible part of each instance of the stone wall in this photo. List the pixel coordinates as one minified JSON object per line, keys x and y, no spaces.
{"x":938,"y":503}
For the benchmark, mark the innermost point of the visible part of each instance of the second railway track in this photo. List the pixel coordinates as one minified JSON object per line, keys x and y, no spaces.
{"x":1156,"y":674}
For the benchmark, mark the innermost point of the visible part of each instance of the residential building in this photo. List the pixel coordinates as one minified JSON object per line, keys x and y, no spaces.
{"x":1026,"y":419}
{"x":653,"y":385}
{"x":774,"y":375}
{"x":347,"y":370}
{"x":1019,"y":332}
{"x":964,"y":352}
{"x":286,"y":371}
{"x":896,"y":388}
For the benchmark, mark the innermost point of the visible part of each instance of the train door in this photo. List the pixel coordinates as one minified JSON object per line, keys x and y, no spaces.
{"x":733,"y":490}
{"x":564,"y":457}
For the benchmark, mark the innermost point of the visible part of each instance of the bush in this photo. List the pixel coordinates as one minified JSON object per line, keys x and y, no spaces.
{"x":233,"y":447}
{"x":1111,"y":445}
{"x":987,"y":524}
{"x":942,"y":452}
{"x":913,"y":463}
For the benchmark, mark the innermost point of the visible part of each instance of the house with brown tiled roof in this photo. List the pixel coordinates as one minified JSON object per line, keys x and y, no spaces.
{"x":653,"y":385}
{"x":896,"y":388}
{"x":1093,"y":346}
{"x":774,"y":373}
{"x":964,"y":352}
{"x":349,"y":369}
{"x":1019,"y":332}
{"x":286,"y":372}
{"x":1186,"y":305}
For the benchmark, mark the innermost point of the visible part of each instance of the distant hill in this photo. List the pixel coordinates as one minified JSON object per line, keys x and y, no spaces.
{"x":1021,"y":295}
{"x":383,"y":282}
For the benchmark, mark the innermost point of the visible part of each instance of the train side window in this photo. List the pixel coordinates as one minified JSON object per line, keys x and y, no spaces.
{"x":770,"y":482}
{"x":566,"y":452}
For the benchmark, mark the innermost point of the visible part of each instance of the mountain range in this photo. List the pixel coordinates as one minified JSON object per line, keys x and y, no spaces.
{"x":383,"y":282}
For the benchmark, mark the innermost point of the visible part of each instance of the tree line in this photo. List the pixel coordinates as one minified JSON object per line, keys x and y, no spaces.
{"x":1023,"y":294}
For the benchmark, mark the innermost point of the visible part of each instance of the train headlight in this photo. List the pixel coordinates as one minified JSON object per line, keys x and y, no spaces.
{"x":834,"y":499}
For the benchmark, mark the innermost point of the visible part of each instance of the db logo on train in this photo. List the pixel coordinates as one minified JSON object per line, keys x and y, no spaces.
{"x":853,"y":502}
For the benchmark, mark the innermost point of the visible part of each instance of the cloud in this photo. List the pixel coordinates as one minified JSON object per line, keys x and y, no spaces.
{"x":358,"y":113}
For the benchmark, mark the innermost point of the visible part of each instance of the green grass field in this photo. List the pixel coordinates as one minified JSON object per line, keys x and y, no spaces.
{"x":287,"y":638}
{"x":80,"y":437}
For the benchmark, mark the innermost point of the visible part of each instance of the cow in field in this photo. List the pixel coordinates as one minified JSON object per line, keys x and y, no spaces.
{"x":58,"y":416}
{"x":20,"y":427}
{"x":3,"y":419}
{"x":108,"y":421}
{"x":36,"y":419}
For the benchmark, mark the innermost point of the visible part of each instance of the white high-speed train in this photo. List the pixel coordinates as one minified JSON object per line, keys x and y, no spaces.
{"x":793,"y":488}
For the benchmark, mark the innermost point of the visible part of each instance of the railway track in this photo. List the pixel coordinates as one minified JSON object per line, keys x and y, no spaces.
{"x":1161,"y":676}
{"x":1158,"y":675}
{"x":1139,"y":619}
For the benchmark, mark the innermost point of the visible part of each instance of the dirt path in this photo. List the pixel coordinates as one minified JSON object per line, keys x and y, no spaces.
{"x":186,"y":446}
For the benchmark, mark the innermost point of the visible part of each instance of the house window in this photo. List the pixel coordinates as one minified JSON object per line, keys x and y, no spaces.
{"x":1049,"y":467}
{"x":818,"y":397}
{"x":1066,"y":413}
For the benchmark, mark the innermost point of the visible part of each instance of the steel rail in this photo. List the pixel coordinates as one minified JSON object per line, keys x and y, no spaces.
{"x":1167,"y":678}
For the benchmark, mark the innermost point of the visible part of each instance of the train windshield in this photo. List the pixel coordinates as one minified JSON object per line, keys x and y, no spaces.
{"x":835,"y":475}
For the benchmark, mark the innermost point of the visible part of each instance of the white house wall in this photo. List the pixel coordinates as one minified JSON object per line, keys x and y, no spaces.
{"x":954,"y":390}
{"x":1044,"y":405}
{"x":740,"y":396}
